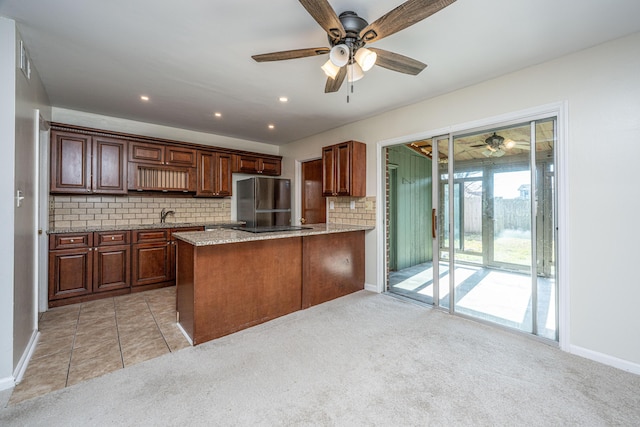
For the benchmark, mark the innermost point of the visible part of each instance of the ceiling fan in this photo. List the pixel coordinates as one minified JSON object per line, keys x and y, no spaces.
{"x":495,"y":146}
{"x":348,"y":34}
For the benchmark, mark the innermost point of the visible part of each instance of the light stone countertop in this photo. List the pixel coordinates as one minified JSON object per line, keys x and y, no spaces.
{"x":224,"y":236}
{"x":212,"y":224}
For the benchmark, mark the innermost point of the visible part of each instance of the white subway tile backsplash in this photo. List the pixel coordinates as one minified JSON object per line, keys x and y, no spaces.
{"x":97,"y":211}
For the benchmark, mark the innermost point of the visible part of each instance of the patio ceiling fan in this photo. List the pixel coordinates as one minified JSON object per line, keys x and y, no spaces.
{"x":496,"y":146}
{"x":348,"y":35}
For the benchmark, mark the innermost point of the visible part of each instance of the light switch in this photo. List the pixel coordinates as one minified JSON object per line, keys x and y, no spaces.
{"x":332,"y":205}
{"x":352,"y":204}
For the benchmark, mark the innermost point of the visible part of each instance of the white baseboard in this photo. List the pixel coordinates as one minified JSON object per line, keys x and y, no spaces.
{"x":18,"y":373}
{"x":7,"y":383}
{"x":605,"y":359}
{"x":371,"y":288}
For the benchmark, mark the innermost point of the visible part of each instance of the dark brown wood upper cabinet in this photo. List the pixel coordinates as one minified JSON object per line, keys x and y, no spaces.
{"x":344,"y":169}
{"x":161,"y":154}
{"x":109,"y":166}
{"x":83,"y":164}
{"x":179,"y":156}
{"x":257,"y":165}
{"x":214,"y":174}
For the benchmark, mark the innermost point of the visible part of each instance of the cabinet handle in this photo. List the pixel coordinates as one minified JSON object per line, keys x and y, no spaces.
{"x":113,"y":238}
{"x":434,"y":219}
{"x":71,"y":240}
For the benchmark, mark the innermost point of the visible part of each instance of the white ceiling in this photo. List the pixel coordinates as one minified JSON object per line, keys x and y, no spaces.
{"x":193,"y":57}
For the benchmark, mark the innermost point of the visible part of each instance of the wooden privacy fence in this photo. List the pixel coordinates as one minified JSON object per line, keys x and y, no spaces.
{"x":508,"y":214}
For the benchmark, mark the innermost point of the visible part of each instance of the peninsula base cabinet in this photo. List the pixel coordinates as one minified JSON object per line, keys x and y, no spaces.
{"x":219,"y":293}
{"x":87,"y":266}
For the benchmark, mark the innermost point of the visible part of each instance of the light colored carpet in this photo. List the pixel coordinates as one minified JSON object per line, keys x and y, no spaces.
{"x":365,"y":359}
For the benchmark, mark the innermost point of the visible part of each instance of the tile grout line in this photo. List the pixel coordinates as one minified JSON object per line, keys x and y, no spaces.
{"x":73,"y":344}
{"x":157,"y":325}
{"x":115,"y":313}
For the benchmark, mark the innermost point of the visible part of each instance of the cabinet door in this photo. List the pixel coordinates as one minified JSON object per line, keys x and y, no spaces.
{"x":150,"y":263}
{"x":271,"y":167}
{"x":70,"y":163}
{"x":178,"y":156}
{"x":112,"y":269}
{"x":223,"y":174}
{"x":205,"y":185}
{"x":70,"y":273}
{"x":144,"y":152}
{"x":328,"y":172}
{"x":109,"y":166}
{"x":342,"y":185}
{"x":248,"y":164}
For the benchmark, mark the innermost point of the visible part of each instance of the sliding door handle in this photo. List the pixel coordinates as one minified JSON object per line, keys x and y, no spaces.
{"x":434,"y":218}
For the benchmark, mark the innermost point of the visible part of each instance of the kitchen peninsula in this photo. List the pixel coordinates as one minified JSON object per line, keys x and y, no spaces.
{"x":228,"y":280}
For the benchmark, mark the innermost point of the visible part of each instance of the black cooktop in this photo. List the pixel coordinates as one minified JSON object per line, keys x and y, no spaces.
{"x":272,"y":228}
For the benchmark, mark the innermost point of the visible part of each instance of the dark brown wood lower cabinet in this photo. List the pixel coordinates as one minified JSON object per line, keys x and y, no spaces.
{"x":84,"y":266}
{"x":70,"y":273}
{"x":151,"y":263}
{"x":112,"y":268}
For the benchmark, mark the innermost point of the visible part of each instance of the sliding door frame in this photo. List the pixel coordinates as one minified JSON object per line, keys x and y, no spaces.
{"x":559,"y":111}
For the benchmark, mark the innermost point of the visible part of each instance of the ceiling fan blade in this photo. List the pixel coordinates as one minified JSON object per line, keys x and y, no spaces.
{"x":324,"y":15}
{"x":396,"y":62}
{"x":403,"y":16}
{"x":290,"y":54}
{"x":333,"y":85}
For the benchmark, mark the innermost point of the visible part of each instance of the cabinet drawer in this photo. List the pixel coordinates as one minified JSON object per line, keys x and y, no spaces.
{"x":110,"y":238}
{"x":70,"y":240}
{"x":156,"y":235}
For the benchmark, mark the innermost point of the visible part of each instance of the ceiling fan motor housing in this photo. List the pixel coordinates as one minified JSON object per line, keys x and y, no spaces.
{"x":352,"y":25}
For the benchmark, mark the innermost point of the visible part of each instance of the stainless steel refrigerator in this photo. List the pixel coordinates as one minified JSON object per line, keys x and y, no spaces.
{"x":264,"y":202}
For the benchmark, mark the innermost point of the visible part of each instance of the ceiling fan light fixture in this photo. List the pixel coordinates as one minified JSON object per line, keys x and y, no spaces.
{"x":366,"y":58}
{"x":509,"y":144}
{"x":339,"y":55}
{"x":330,"y":69}
{"x":494,"y":140}
{"x":354,"y":72}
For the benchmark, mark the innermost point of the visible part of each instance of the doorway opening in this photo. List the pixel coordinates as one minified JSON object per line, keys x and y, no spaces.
{"x":471,"y":224}
{"x":313,"y":203}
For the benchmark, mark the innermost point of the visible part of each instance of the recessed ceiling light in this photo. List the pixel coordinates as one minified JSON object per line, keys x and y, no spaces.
{"x":144,"y":97}
{"x":217,"y":114}
{"x":272,"y":126}
{"x":283,"y":99}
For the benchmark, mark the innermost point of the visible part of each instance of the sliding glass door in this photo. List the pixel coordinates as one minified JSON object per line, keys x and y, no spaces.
{"x":490,"y":220}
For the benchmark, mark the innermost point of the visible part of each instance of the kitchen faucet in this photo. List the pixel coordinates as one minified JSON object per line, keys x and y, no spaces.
{"x":164,"y":213}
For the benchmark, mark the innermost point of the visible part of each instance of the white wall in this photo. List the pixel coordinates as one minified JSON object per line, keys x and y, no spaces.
{"x":7,"y":145}
{"x":601,"y":86}
{"x":19,"y":99}
{"x":79,"y":118}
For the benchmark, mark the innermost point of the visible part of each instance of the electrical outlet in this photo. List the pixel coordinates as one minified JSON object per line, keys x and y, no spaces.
{"x":52,"y":206}
{"x":332,"y":205}
{"x":352,"y":205}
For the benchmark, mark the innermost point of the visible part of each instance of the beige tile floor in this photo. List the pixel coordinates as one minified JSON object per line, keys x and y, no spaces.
{"x":82,"y":341}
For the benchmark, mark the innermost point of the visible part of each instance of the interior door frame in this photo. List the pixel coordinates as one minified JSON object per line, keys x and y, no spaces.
{"x":297,"y":191}
{"x":42,"y":212}
{"x":559,"y":110}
